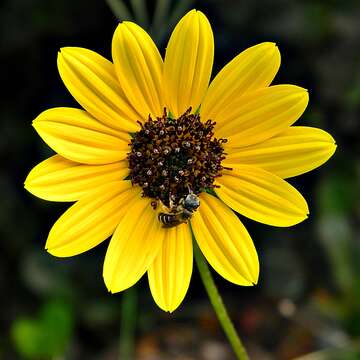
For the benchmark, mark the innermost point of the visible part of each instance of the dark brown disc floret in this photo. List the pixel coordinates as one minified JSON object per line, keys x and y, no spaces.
{"x":172,"y":157}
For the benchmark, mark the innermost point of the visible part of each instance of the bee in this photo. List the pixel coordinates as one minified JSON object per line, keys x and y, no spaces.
{"x":181,"y":213}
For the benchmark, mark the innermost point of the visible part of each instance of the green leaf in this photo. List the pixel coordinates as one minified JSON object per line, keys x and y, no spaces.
{"x":26,"y":335}
{"x":170,"y":115}
{"x":210,"y":191}
{"x":46,"y":336}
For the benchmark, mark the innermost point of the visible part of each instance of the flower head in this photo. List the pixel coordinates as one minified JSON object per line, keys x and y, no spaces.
{"x":158,"y":155}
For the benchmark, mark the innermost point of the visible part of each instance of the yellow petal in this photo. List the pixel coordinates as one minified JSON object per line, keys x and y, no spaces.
{"x":260,"y":115}
{"x":91,"y":80}
{"x":91,"y":220}
{"x":225,"y":242}
{"x":59,"y":179}
{"x":170,"y":273}
{"x":293,"y":152}
{"x":253,"y":69}
{"x":77,"y":136}
{"x":188,"y":63}
{"x":139,"y":66}
{"x":262,"y":196}
{"x":133,"y":247}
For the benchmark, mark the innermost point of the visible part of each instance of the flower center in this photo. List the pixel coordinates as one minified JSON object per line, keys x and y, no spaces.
{"x":172,"y":158}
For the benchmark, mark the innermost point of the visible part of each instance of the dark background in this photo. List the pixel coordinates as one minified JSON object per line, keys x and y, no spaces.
{"x":308,"y":297}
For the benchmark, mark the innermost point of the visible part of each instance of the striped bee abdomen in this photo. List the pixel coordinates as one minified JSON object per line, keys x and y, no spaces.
{"x":170,"y":220}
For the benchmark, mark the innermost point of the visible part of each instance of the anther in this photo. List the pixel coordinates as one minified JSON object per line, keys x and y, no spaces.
{"x":170,"y":156}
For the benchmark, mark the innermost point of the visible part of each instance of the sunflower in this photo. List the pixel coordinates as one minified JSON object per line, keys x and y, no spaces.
{"x":158,"y":156}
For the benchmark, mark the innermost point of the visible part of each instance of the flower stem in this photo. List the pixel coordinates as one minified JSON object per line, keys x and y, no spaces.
{"x":218,"y":305}
{"x":128,"y":324}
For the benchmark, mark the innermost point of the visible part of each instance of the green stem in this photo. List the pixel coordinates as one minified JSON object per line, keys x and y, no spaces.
{"x":218,"y":305}
{"x":128,"y":324}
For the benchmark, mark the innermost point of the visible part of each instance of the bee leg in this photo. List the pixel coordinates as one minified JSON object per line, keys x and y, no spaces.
{"x":171,"y":201}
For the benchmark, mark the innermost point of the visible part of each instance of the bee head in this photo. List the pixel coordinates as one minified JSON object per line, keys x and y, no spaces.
{"x":191,"y":202}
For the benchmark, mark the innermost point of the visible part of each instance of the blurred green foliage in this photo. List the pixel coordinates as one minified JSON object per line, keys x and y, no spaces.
{"x":46,"y":336}
{"x":339,"y":193}
{"x":158,"y":18}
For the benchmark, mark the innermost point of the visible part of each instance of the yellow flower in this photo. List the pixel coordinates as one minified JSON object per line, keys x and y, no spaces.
{"x":154,"y":131}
